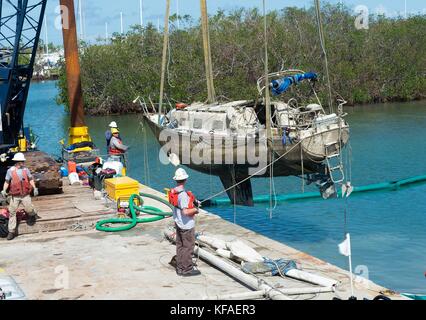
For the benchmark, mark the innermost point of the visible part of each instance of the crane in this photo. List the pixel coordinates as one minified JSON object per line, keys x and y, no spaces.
{"x":20,"y":27}
{"x":21,"y":22}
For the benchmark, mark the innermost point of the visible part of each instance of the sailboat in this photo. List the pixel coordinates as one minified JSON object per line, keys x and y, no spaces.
{"x":246,"y":139}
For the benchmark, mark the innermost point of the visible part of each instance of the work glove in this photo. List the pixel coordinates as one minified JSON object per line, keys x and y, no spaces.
{"x":35,"y":192}
{"x":197,"y":203}
{"x":4,"y":193}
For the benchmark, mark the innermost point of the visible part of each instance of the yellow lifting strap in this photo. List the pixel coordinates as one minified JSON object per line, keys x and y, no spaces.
{"x":79,"y":134}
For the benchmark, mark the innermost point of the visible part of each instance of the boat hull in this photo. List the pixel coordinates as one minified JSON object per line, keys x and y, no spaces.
{"x":214,"y":155}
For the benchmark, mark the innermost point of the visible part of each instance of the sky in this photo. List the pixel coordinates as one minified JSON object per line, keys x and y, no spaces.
{"x":97,"y":13}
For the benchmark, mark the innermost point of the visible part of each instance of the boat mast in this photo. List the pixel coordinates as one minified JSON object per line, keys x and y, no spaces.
{"x":207,"y":52}
{"x":163,"y":64}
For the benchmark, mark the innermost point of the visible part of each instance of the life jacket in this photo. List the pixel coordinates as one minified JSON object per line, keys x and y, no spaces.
{"x":112,"y":150}
{"x":181,"y":106}
{"x":174,"y":197}
{"x":20,"y":187}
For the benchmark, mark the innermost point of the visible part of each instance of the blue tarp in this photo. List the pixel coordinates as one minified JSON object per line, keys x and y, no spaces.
{"x":281,"y":85}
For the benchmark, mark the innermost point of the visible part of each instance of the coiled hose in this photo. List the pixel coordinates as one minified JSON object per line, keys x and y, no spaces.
{"x":130,"y":223}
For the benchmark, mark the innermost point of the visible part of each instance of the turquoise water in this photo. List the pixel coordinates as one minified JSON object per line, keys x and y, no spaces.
{"x":388,"y":229}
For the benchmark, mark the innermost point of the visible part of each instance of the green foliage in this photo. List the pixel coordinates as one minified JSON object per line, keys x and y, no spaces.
{"x":387,"y":62}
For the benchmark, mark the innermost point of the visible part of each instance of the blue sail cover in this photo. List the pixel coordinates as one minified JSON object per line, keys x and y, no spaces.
{"x":281,"y":85}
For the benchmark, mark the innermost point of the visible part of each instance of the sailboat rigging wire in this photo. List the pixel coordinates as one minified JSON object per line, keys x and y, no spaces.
{"x":235,"y":191}
{"x":322,"y":42}
{"x":254,"y":174}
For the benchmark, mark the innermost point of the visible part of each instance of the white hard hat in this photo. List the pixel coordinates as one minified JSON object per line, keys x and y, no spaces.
{"x":19,"y":157}
{"x":180,"y":175}
{"x":113,"y":124}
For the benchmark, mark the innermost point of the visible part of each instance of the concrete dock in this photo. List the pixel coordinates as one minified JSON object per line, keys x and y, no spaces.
{"x":63,"y":257}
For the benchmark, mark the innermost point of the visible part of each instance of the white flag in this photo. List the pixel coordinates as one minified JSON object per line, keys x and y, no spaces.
{"x":345,"y":246}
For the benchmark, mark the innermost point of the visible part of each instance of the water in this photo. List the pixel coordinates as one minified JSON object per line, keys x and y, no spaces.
{"x":388,"y":229}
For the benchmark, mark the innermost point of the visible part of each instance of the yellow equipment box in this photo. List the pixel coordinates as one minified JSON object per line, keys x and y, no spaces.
{"x":122,"y":187}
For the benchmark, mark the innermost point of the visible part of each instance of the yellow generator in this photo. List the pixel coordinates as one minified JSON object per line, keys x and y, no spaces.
{"x":121,"y":188}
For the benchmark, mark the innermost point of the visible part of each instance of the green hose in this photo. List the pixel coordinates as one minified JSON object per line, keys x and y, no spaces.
{"x":130,"y":223}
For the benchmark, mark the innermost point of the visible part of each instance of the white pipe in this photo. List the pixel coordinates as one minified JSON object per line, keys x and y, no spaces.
{"x":297,"y":291}
{"x":239,"y":296}
{"x":312,"y":278}
{"x":325,"y":284}
{"x":261,"y":293}
{"x":249,"y":280}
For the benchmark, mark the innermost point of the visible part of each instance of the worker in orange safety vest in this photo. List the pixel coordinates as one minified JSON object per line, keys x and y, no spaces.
{"x":20,"y":183}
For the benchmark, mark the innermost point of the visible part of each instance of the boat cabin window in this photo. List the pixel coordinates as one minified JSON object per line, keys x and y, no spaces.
{"x":198,"y":124}
{"x":218,"y":125}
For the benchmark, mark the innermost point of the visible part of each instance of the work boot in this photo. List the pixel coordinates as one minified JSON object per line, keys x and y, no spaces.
{"x":173,"y":262}
{"x":192,"y":273}
{"x":10,"y":236}
{"x":31,"y":220}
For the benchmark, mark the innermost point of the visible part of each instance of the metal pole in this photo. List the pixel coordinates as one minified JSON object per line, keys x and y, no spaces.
{"x":141,"y":11}
{"x":106,"y":32}
{"x":46,"y":39}
{"x":75,"y":96}
{"x":164,"y":61}
{"x":121,"y":23}
{"x":405,"y":9}
{"x":177,"y":14}
{"x":84,"y":22}
{"x":80,"y":14}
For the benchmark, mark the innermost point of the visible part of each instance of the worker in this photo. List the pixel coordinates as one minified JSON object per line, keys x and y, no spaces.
{"x":185,"y":209}
{"x":108,"y":133}
{"x":116,"y":146}
{"x":21,"y":183}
